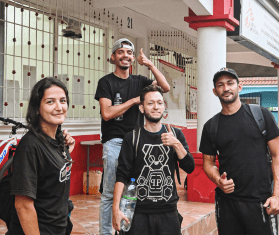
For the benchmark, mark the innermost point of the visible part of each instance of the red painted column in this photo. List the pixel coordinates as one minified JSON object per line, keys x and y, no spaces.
{"x":222,"y":17}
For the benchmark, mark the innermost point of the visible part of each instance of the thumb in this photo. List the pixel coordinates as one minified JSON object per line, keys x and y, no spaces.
{"x":169,"y":129}
{"x":141,"y":52}
{"x":224,"y":175}
{"x":65,"y":132}
{"x":266,"y":203}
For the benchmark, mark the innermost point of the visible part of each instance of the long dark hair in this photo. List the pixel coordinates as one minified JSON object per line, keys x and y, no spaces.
{"x":33,"y":117}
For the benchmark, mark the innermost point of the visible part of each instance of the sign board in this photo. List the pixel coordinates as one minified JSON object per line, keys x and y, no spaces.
{"x":259,"y":26}
{"x":258,"y":29}
{"x":273,"y":108}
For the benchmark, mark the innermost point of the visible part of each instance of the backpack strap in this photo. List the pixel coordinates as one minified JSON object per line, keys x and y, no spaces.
{"x":175,"y":162}
{"x":213,"y":130}
{"x":136,"y":135}
{"x":258,"y":116}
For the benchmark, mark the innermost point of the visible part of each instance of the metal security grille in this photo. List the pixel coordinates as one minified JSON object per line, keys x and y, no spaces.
{"x":34,"y":45}
{"x":179,"y":49}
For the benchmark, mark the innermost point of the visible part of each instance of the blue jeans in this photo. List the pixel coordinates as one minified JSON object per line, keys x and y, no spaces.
{"x":111,"y":151}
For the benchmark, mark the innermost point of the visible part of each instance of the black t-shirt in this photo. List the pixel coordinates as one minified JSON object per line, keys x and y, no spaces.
{"x":41,"y":172}
{"x":153,"y":169}
{"x":242,"y":153}
{"x":128,"y":88}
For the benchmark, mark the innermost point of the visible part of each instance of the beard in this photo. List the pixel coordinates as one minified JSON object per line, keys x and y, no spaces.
{"x":152,"y":119}
{"x":228,"y":101}
{"x":124,"y":67}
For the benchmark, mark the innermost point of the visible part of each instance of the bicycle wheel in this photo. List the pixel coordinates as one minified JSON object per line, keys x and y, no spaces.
{"x":6,"y":166}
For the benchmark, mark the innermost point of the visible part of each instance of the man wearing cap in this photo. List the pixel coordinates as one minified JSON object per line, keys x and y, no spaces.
{"x":119,"y":119}
{"x":244,"y":202}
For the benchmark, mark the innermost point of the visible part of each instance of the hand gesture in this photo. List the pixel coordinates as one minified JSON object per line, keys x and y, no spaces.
{"x":117,"y":217}
{"x":272,"y":205}
{"x":169,"y":139}
{"x":142,"y":60}
{"x":226,"y":185}
{"x":69,"y":140}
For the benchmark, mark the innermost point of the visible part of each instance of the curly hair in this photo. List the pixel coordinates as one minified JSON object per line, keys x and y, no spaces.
{"x":149,"y":89}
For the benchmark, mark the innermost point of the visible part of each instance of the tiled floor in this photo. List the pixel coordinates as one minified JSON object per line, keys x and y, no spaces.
{"x":199,"y":218}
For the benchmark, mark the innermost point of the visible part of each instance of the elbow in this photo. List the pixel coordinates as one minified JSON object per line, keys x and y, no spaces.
{"x":191,"y":167}
{"x":167,"y":88}
{"x":106,"y":117}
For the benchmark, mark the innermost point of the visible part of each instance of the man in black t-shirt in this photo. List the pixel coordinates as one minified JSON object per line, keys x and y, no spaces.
{"x":119,"y":119}
{"x":158,"y":148}
{"x":244,"y":201}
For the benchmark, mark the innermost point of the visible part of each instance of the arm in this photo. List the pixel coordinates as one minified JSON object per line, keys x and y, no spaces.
{"x":110,"y":111}
{"x":272,"y":203}
{"x":186,"y":160}
{"x":27,"y":215}
{"x":211,"y":170}
{"x":117,"y":215}
{"x":160,"y":78}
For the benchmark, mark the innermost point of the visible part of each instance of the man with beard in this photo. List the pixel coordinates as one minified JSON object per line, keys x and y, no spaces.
{"x":151,"y":161}
{"x":244,"y":201}
{"x":118,"y":119}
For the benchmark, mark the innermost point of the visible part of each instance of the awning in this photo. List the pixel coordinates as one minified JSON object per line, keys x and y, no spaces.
{"x":255,"y":89}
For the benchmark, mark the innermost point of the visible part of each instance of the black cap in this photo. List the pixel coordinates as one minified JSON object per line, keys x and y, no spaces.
{"x":225,"y":71}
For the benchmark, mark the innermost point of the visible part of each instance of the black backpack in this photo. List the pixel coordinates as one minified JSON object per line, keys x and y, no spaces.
{"x":258,"y":117}
{"x":7,"y":201}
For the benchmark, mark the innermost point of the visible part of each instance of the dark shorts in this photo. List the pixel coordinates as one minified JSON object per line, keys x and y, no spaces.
{"x":242,"y":218}
{"x":155,"y":224}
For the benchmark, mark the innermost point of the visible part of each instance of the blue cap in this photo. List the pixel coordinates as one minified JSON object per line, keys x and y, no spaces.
{"x":133,"y":180}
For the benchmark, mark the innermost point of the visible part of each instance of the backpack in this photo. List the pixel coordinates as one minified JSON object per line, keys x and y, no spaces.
{"x":136,"y":136}
{"x":258,"y":117}
{"x":7,"y":201}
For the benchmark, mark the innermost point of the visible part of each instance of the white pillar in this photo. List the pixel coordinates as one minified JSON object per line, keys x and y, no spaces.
{"x":278,"y":105}
{"x":211,"y":52}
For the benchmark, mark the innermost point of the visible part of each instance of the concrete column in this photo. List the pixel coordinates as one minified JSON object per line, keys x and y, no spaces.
{"x":211,"y":52}
{"x":278,"y":108}
{"x":2,"y":46}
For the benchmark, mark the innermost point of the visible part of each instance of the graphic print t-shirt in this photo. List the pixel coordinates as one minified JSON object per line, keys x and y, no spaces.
{"x":41,"y":172}
{"x":153,"y":169}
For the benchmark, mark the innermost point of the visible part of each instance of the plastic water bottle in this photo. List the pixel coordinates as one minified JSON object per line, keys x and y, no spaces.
{"x":117,"y":101}
{"x":128,"y":204}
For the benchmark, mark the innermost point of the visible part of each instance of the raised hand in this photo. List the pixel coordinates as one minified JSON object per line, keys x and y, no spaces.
{"x":142,"y":59}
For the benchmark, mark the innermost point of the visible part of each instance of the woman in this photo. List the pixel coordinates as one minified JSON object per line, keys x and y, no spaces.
{"x":42,"y":164}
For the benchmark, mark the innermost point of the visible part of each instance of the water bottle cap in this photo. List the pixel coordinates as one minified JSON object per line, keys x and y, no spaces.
{"x":133,"y":180}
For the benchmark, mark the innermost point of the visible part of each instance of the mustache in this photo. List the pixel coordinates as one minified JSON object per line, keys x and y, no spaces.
{"x":227,"y":92}
{"x":125,"y":59}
